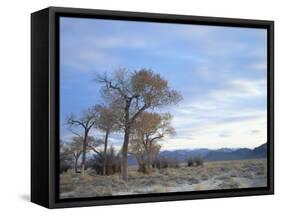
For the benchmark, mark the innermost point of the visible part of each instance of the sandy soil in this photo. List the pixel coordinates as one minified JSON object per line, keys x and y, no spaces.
{"x":211,"y":176}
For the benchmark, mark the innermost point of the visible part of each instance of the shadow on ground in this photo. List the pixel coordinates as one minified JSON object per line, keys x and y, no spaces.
{"x":25,"y":197}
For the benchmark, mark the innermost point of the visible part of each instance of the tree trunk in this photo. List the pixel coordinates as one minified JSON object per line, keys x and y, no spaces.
{"x":84,"y":153}
{"x":124,"y":165}
{"x":149,"y":164}
{"x":75,"y":165}
{"x":141,"y":163}
{"x":125,"y":154}
{"x":104,"y":152}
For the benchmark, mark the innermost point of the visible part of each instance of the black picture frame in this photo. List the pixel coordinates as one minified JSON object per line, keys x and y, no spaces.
{"x":45,"y":106}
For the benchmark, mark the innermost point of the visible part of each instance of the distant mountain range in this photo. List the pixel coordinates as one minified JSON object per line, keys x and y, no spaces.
{"x":213,"y":155}
{"x":238,"y":154}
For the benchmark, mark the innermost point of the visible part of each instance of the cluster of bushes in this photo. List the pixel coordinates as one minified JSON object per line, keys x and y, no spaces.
{"x":144,"y":168}
{"x":113,"y":163}
{"x":195,"y":161}
{"x":65,"y":162}
{"x":164,"y":162}
{"x":64,"y":166}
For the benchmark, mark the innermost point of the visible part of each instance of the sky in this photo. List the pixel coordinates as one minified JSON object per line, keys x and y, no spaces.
{"x":220,"y":72}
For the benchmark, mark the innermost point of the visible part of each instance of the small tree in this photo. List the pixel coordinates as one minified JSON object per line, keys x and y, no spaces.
{"x":85,"y":123}
{"x":76,"y":149}
{"x":108,"y":122}
{"x":199,"y":161}
{"x":65,"y":157}
{"x":148,"y":130}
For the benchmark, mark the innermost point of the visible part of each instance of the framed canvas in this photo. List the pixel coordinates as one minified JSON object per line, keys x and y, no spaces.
{"x":138,"y":107}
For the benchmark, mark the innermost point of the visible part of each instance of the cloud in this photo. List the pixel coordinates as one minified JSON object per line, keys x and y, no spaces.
{"x":225,"y":134}
{"x":255,"y":132}
{"x":240,"y":88}
{"x":205,"y":72}
{"x":83,"y":57}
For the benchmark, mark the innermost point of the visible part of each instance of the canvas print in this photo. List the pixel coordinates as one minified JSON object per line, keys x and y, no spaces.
{"x":150,"y":107}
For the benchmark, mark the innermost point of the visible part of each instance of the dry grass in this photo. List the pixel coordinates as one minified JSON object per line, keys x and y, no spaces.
{"x":199,"y":187}
{"x":66,"y":182}
{"x":213,"y":175}
{"x":86,"y":178}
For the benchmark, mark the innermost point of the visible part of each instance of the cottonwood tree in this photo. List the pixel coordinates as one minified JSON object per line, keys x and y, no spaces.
{"x":133,"y":93}
{"x":147,"y":130}
{"x":108,"y":122}
{"x":84,"y":124}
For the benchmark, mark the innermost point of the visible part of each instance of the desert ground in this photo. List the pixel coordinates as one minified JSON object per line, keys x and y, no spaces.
{"x":210,"y":176}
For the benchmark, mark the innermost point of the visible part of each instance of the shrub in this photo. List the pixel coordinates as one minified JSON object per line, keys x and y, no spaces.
{"x":190,"y":162}
{"x":199,"y":161}
{"x":65,"y":166}
{"x":96,"y":163}
{"x":173,"y":163}
{"x":113,"y":164}
{"x":161,"y":162}
{"x":195,"y":161}
{"x":164,"y":162}
{"x":65,"y":158}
